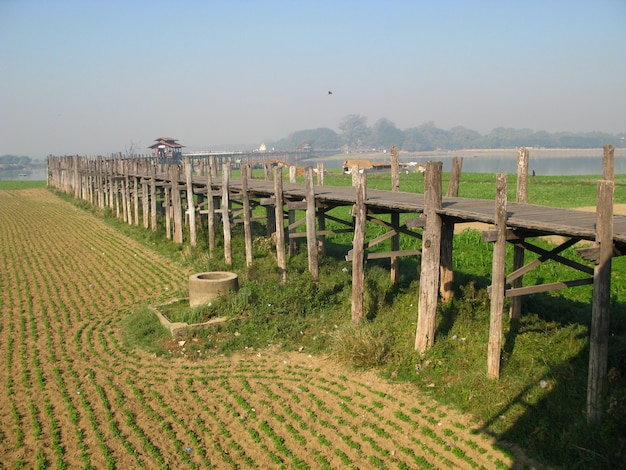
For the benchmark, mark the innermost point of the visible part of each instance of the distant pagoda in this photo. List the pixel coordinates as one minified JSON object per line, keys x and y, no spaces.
{"x":167,"y":147}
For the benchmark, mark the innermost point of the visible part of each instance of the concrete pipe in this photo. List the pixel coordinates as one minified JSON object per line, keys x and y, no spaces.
{"x":203,"y":287}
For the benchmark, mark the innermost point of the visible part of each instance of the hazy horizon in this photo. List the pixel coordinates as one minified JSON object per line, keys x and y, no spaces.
{"x":96,"y":77}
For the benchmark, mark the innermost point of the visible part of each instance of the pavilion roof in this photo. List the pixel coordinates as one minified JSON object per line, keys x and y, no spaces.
{"x":168,"y":142}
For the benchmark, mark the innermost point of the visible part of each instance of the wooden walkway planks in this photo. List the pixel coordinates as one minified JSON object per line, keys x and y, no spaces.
{"x":540,"y":219}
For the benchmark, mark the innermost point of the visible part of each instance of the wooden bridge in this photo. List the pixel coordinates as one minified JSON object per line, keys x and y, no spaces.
{"x":133,"y":187}
{"x":534,"y":220}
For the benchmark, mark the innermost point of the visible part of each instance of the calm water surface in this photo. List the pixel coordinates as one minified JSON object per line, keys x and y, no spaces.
{"x":545,"y":166}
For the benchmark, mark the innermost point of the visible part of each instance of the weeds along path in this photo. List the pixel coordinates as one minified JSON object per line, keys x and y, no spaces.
{"x":71,"y":395}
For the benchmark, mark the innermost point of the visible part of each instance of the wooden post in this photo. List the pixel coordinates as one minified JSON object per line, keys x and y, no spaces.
{"x":395,"y":168}
{"x":75,"y":179}
{"x":168,"y":212}
{"x":145,"y":200}
{"x":98,"y":180}
{"x":608,"y":163}
{"x":112,"y":188}
{"x":497,"y":281}
{"x":359,"y":212}
{"x":291,"y":242}
{"x":191,"y":203}
{"x":99,"y":184}
{"x":321,"y":223}
{"x":431,"y":255}
{"x":153,"y":199}
{"x":311,"y":239}
{"x":522,"y":176}
{"x":266,"y":172}
{"x":270,"y":217}
{"x":395,"y":246}
{"x":128,"y":219}
{"x":176,"y":204}
{"x":292,"y":173}
{"x":455,"y":177}
{"x":355,"y":176}
{"x":247,"y":228}
{"x":321,"y":212}
{"x":599,"y":337}
{"x":521,"y":196}
{"x":320,"y":173}
{"x":136,"y":191}
{"x":90,"y":180}
{"x":446,"y":287}
{"x":395,"y":216}
{"x":210,"y":206}
{"x":228,"y":256}
{"x":280,"y":224}
{"x":117,"y":194}
{"x":124,"y":192}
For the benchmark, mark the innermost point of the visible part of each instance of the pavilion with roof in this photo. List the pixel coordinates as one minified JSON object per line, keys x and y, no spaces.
{"x":167,"y":147}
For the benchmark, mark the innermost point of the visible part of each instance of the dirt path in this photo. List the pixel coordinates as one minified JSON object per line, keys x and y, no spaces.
{"x":71,"y":394}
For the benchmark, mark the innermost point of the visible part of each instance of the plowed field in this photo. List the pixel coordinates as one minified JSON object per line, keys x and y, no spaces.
{"x":72,"y":396}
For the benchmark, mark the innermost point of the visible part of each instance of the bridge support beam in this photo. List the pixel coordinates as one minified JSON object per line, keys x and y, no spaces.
{"x":497,"y":281}
{"x":447,"y":236}
{"x":359,"y":213}
{"x":599,"y":338}
{"x":280,"y":224}
{"x":431,"y":255}
{"x":521,"y":197}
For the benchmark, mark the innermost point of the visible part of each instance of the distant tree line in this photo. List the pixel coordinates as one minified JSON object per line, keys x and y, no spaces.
{"x":14,"y":162}
{"x":356,"y":135}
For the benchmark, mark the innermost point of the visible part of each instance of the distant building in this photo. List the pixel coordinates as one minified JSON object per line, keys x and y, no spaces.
{"x":366,"y":166}
{"x":167,"y":147}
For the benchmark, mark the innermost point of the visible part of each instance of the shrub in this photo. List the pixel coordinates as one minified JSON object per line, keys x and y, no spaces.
{"x":362,"y":346}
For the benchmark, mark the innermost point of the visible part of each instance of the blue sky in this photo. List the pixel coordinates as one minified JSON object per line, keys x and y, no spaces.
{"x":96,"y":76}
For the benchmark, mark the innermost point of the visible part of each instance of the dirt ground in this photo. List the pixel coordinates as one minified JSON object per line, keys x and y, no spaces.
{"x":73,"y":396}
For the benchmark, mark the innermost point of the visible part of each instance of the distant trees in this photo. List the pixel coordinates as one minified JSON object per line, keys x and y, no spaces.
{"x":384,"y":134}
{"x":355,"y":135}
{"x":14,"y":160}
{"x":355,"y":131}
{"x":321,"y":138}
{"x":15,"y":163}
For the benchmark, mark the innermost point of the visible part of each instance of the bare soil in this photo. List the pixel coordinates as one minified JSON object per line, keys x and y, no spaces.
{"x":72,"y":395}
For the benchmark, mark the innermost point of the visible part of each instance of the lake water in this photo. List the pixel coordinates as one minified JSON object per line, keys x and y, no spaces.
{"x":37,"y":174}
{"x":543,"y":166}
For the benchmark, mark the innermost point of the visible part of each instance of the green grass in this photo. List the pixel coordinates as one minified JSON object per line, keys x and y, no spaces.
{"x":142,"y":329}
{"x":538,"y":403}
{"x":180,"y":312}
{"x":20,"y":184}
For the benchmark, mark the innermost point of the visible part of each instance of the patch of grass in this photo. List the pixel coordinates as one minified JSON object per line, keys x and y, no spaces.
{"x":21,"y":184}
{"x":362,"y":346}
{"x":180,"y":311}
{"x":556,"y":191}
{"x":142,"y":329}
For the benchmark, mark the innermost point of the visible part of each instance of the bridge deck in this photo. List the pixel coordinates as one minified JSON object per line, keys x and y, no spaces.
{"x":543,"y":220}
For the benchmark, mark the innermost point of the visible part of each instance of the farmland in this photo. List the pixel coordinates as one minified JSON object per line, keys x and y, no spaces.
{"x":74,"y":396}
